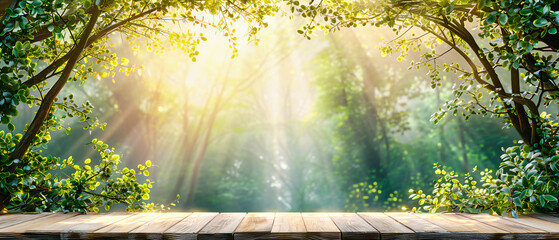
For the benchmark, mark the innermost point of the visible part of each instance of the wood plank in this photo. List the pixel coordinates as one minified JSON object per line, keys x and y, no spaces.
{"x":55,"y":229}
{"x":7,"y":220}
{"x":189,"y":227}
{"x":388,"y":227}
{"x":288,"y":226}
{"x":222,"y":226}
{"x":422,"y":228}
{"x":255,"y":226}
{"x":82,"y":230}
{"x":154,"y":229}
{"x":551,"y":227}
{"x":320,"y":226}
{"x":121,"y":228}
{"x":474,"y":225}
{"x":444,"y":223}
{"x":413,"y":222}
{"x":18,"y":230}
{"x":278,"y":226}
{"x":460,"y":228}
{"x":547,"y":217}
{"x":353,"y":227}
{"x":519,"y":230}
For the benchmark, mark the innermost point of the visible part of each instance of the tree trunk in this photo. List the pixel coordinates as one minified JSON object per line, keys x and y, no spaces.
{"x":23,"y":146}
{"x":201,"y":154}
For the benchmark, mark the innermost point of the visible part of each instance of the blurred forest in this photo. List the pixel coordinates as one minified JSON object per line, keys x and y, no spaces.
{"x":288,"y":125}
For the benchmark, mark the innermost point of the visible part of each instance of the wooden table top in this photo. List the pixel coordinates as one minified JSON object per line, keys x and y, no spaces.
{"x":280,"y":225}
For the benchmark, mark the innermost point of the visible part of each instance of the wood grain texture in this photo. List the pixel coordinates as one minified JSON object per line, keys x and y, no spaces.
{"x":121,"y":228}
{"x":468,"y":230}
{"x":19,"y":230}
{"x":471,"y":224}
{"x":520,"y":231}
{"x":320,"y":226}
{"x":503,"y":223}
{"x":7,"y":220}
{"x":547,"y":217}
{"x":154,"y":229}
{"x":288,"y":226}
{"x":277,"y":226}
{"x":423,"y":229}
{"x":97,"y":222}
{"x":222,"y":226}
{"x":387,"y":226}
{"x":550,"y":227}
{"x":255,"y":226}
{"x":353,"y":227}
{"x":189,"y":227}
{"x":57,"y":228}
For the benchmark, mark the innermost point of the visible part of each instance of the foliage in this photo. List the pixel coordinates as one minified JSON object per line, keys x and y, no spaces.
{"x":507,"y":47}
{"x":524,"y":24}
{"x":368,"y":195}
{"x":88,"y":186}
{"x":526,"y":181}
{"x":67,"y":41}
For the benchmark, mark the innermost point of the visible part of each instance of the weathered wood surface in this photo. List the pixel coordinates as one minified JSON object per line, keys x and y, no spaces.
{"x":277,"y":226}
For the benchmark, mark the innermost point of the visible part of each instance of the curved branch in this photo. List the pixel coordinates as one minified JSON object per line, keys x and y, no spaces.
{"x":25,"y":142}
{"x":41,"y":76}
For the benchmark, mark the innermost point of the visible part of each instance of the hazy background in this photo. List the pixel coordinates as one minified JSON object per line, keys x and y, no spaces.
{"x":288,"y":125}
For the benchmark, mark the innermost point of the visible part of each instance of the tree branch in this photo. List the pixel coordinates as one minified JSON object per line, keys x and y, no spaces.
{"x":41,"y":76}
{"x":25,"y":142}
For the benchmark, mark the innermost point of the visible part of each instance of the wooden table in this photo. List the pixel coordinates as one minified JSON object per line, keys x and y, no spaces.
{"x":202,"y":225}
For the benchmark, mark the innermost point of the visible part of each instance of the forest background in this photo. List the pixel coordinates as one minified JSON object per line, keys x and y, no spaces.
{"x":288,"y":125}
{"x":277,"y":123}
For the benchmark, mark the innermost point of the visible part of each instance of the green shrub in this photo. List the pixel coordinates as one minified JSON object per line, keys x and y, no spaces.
{"x":526,"y":181}
{"x":47,"y":183}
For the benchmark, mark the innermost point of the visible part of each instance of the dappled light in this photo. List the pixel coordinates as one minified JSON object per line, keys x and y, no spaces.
{"x":251,"y":106}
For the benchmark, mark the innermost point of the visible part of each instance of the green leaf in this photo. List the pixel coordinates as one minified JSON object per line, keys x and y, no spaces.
{"x":525,"y":11}
{"x":491,"y":18}
{"x":5,"y":119}
{"x":540,"y":22}
{"x":526,"y":148}
{"x":37,"y":3}
{"x":550,"y":198}
{"x":523,"y":194}
{"x":503,"y":19}
{"x":87,"y":4}
{"x":517,"y":201}
{"x":505,"y":190}
{"x":11,"y":127}
{"x":449,"y":8}
{"x":552,"y":31}
{"x":514,"y":214}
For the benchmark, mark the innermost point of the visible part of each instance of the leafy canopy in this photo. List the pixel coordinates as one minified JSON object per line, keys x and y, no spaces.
{"x":507,"y":68}
{"x":44,"y":45}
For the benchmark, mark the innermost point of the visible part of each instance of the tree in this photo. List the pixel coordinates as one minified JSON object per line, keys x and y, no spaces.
{"x":507,"y":48}
{"x":526,"y":55}
{"x":69,"y":36}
